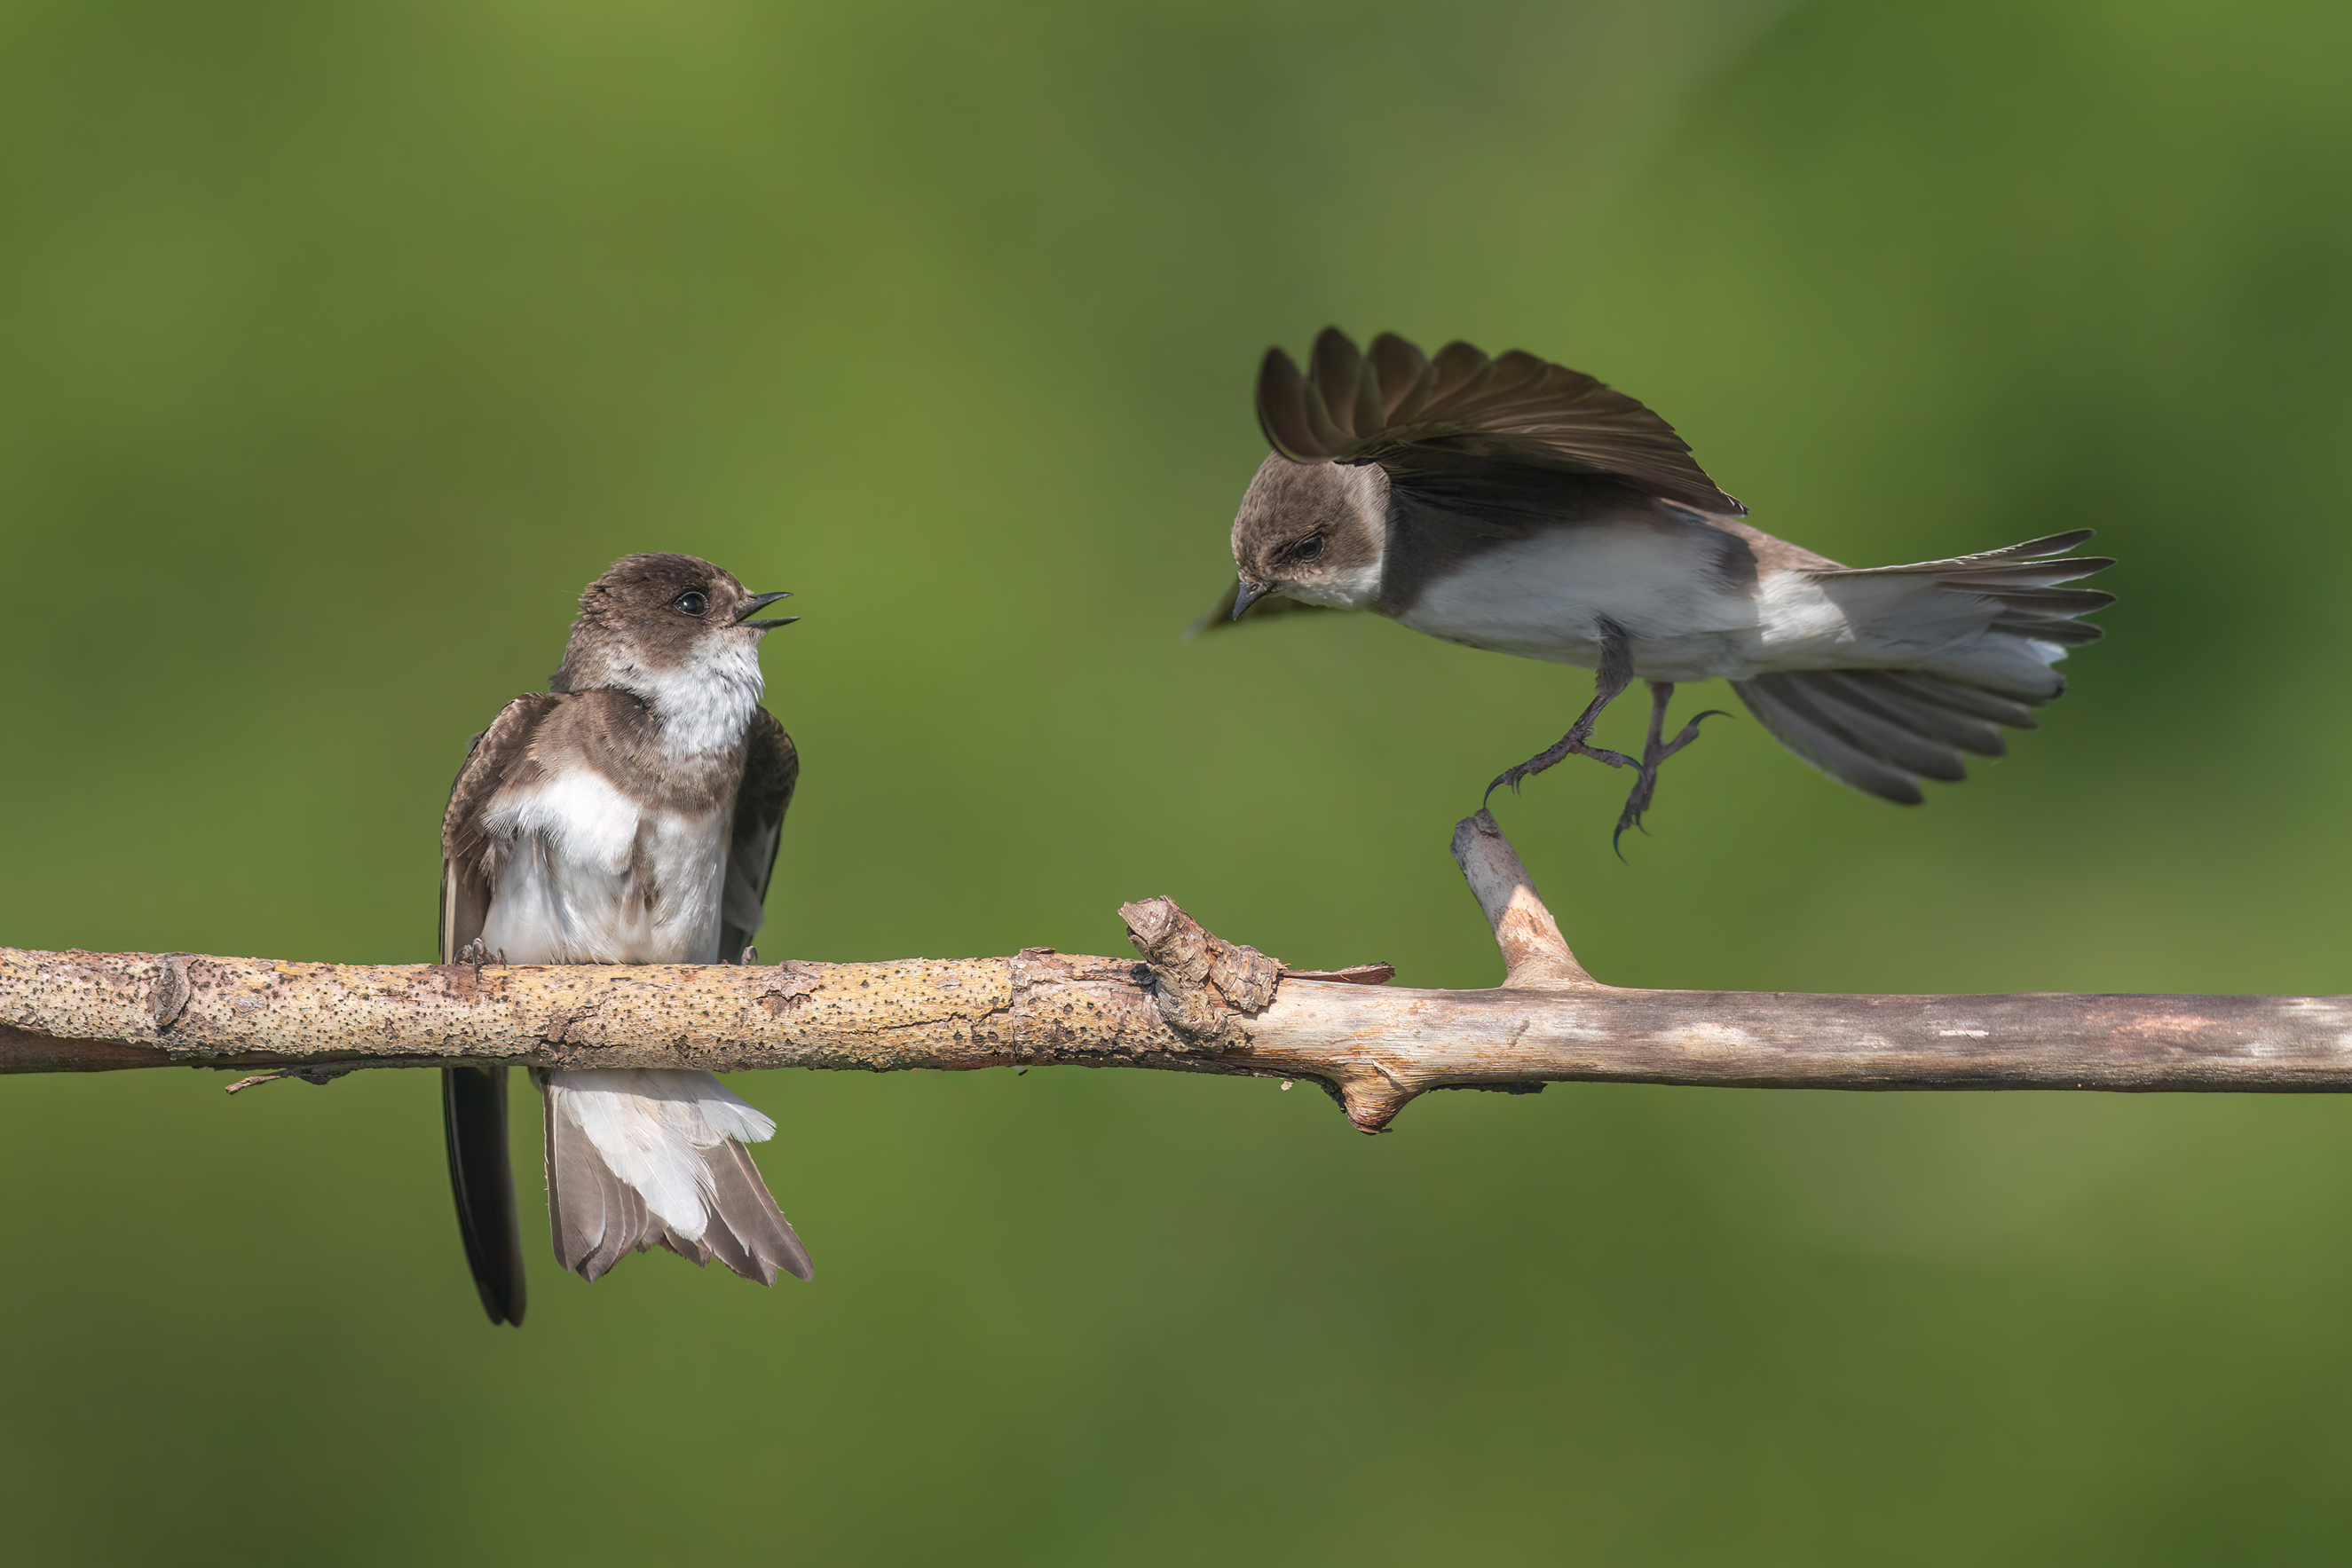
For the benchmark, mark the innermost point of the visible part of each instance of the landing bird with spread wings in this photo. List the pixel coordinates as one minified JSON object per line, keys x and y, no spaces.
{"x":1517,"y":506}
{"x":627,"y":816}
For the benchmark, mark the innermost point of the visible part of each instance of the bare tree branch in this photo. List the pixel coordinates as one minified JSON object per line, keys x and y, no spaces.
{"x":1195,"y":1003}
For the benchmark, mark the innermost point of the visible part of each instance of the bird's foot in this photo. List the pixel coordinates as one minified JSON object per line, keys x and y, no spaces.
{"x":1646,"y":788}
{"x":476,"y":952}
{"x":1571,"y":745}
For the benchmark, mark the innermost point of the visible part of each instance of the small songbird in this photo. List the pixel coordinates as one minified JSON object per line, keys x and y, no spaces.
{"x":1517,"y":506}
{"x":627,"y":816}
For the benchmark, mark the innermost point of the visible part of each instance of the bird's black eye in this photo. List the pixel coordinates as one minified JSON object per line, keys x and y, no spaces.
{"x":1307,"y":548}
{"x":691,"y":602}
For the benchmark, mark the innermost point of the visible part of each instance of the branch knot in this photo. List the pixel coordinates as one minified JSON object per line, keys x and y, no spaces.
{"x":1202,"y":982}
{"x":168,"y":997}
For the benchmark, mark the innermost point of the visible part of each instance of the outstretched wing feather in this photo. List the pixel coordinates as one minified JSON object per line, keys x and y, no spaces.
{"x":1346,"y":408}
{"x":1401,"y":369}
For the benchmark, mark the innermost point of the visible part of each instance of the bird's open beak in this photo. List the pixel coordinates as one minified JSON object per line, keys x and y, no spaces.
{"x":756,"y":601}
{"x":1246,"y":594}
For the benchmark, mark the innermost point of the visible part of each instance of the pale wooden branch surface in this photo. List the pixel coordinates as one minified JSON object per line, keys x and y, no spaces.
{"x":1196,"y":1003}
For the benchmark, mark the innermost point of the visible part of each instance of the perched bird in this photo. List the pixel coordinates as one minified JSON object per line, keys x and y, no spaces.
{"x":1519,"y":505}
{"x":628,"y":816}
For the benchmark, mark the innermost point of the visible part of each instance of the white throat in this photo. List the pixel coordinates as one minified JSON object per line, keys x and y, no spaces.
{"x":705,"y":704}
{"x":1349,"y":589}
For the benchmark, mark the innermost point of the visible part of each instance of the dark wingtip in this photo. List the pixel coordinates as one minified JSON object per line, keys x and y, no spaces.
{"x":1397,"y":367}
{"x":1281,"y":407}
{"x":481,"y":1177}
{"x":1335,"y":369}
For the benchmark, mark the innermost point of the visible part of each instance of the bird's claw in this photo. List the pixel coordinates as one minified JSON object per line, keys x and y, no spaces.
{"x":1637,"y":804}
{"x":1690,"y":733}
{"x":1567,"y":749}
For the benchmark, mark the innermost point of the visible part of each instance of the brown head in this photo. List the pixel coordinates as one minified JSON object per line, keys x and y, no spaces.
{"x":654,"y":619}
{"x":1312,"y":531}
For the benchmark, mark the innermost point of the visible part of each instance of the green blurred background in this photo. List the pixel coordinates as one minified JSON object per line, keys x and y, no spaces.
{"x":339,"y":345}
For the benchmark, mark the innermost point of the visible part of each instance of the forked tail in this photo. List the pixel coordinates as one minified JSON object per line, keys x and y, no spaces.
{"x":639,"y":1158}
{"x":1883,"y":729}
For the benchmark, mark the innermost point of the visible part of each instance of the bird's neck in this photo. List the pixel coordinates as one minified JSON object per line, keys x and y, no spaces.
{"x":704,"y":710}
{"x":701,"y":707}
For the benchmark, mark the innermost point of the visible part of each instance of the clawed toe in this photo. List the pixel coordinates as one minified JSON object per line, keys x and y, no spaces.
{"x":1653,"y":753}
{"x":1636,"y":804}
{"x":1513,"y":777}
{"x":1690,"y":733}
{"x":1615,"y":675}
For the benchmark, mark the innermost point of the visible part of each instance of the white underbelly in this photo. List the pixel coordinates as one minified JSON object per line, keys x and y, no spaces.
{"x":1548,"y":597}
{"x":579,"y":874}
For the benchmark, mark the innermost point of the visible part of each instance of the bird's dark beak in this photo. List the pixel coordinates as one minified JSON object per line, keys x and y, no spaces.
{"x":1246,"y":594}
{"x":756,"y":601}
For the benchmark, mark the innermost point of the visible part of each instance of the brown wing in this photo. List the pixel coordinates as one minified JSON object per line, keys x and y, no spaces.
{"x":771,"y":766}
{"x":492,"y":759}
{"x":1350,"y":407}
{"x":474,"y":1099}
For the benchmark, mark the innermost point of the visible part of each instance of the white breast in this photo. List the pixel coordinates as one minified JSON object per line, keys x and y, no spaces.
{"x":581,"y":873}
{"x":1545,"y":598}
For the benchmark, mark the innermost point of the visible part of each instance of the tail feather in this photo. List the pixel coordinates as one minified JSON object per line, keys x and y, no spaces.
{"x":2066,"y":634}
{"x":2031,"y":560}
{"x":1863,"y":689}
{"x":746,"y":1230}
{"x":2058,"y":602}
{"x":763,"y":1241}
{"x":1886,"y":740}
{"x":1778,"y":701}
{"x":2005,"y":577}
{"x":638,"y":1159}
{"x":1882,"y":730}
{"x":2047,"y":544}
{"x":695,"y":1251}
{"x":1952,"y":696}
{"x":598,"y":1219}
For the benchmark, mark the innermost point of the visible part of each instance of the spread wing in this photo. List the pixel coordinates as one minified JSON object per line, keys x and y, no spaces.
{"x":772,"y":766}
{"x":1394,"y":403}
{"x":474,"y":1099}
